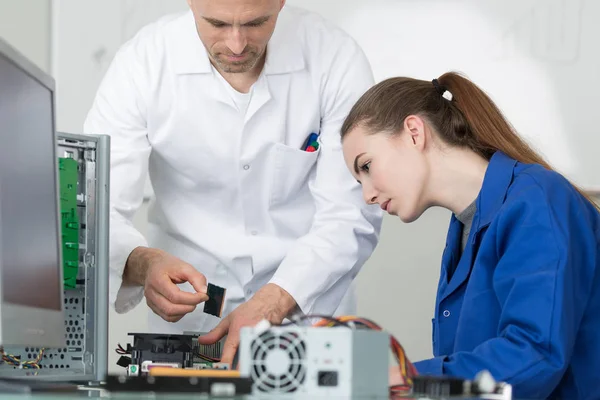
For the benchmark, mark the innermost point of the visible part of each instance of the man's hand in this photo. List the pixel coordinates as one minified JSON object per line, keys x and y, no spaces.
{"x":159,"y":273}
{"x":271,"y":303}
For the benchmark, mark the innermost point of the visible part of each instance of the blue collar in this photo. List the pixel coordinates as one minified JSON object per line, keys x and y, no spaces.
{"x":456,"y":268}
{"x":497,"y":180}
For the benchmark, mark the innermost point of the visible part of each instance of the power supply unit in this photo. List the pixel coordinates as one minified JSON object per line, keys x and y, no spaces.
{"x":314,"y":361}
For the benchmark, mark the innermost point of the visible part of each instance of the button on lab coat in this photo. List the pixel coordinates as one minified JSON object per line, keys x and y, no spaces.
{"x":523,"y":300}
{"x":235,"y":196}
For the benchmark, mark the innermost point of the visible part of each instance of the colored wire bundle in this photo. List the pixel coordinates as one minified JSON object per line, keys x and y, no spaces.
{"x":324,"y":318}
{"x":16,"y":361}
{"x":120,"y":350}
{"x":207,"y":358}
{"x":407,"y":369}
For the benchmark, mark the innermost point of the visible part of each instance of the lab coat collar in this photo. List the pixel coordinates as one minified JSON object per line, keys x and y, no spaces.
{"x":187,"y":50}
{"x":284,"y":51}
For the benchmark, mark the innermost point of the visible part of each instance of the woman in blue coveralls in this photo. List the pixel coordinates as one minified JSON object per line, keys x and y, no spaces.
{"x":519,"y":291}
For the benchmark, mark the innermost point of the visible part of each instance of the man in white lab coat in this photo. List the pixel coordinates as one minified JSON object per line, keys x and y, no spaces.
{"x":218,"y":105}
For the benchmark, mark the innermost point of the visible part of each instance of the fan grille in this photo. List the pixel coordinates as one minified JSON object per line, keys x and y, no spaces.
{"x":278,"y":362}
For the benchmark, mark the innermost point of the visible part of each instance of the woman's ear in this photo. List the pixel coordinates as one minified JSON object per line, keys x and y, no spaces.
{"x":414,"y":126}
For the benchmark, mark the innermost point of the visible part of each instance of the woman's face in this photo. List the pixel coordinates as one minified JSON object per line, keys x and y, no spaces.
{"x":392,"y":168}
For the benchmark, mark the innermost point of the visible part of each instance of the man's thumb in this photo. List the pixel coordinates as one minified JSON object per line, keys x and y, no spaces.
{"x":196,"y":279}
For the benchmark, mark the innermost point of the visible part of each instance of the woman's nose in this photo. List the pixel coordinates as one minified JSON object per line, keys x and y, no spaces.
{"x":369,"y":195}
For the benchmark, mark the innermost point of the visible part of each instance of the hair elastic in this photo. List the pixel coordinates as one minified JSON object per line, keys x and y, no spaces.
{"x":445,"y":93}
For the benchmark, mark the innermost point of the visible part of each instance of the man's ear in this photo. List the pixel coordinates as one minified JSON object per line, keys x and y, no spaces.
{"x":281,"y":5}
{"x":414,"y":126}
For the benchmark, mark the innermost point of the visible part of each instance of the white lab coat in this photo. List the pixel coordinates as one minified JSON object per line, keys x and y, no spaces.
{"x":235,"y":196}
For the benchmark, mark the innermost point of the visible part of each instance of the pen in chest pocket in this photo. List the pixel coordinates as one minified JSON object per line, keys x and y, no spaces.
{"x":311,"y":144}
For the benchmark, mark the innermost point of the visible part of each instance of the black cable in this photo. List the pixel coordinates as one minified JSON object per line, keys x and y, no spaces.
{"x":120,"y":350}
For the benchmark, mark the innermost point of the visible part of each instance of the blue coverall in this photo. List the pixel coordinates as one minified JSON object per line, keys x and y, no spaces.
{"x":523,"y":299}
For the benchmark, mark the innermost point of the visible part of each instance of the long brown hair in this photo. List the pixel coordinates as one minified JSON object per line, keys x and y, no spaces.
{"x":469,"y":118}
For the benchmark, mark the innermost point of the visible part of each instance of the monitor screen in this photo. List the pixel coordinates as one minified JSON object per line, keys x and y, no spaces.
{"x":29,"y":248}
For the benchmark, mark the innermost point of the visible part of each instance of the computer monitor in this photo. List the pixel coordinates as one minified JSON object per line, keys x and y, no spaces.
{"x":31,"y":268}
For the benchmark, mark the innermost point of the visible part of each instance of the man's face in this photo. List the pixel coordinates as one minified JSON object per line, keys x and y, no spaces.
{"x":235,"y":32}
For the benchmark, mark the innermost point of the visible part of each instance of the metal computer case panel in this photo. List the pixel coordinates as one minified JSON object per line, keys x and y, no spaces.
{"x":85,"y":357}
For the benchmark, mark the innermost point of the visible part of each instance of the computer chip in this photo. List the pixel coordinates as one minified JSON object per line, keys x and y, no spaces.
{"x":216,"y":298}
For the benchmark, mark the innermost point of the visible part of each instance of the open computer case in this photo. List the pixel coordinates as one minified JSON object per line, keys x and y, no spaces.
{"x":84,"y":196}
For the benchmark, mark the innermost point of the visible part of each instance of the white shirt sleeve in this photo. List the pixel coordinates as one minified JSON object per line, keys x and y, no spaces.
{"x":118,"y":111}
{"x":320,"y":267}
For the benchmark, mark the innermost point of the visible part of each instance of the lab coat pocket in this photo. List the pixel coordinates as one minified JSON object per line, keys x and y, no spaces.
{"x":292,"y":168}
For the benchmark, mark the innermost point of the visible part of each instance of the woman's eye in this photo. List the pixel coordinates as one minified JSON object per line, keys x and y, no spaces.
{"x":365,"y":166}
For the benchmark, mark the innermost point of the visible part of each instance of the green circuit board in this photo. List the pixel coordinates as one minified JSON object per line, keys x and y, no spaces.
{"x":70,"y":220}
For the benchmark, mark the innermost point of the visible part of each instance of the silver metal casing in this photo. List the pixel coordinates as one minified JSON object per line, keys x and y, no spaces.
{"x":84,"y":356}
{"x":314,"y":362}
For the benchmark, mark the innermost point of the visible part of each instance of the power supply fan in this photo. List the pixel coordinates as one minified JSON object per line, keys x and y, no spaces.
{"x":278,"y":361}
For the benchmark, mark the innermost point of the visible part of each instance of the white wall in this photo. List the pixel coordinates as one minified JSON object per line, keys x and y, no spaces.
{"x":25,"y":24}
{"x":533,"y":57}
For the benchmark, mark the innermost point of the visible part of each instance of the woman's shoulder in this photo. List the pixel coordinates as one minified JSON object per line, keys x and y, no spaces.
{"x":547,"y":191}
{"x":535,"y":174}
